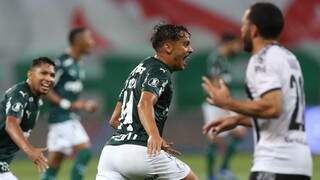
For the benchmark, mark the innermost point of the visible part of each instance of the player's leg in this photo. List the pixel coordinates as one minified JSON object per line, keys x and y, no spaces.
{"x":236,"y":137}
{"x":81,"y":145}
{"x":56,"y":144}
{"x":212,"y":149}
{"x":81,"y":161}
{"x":211,"y":113}
{"x":55,"y":160}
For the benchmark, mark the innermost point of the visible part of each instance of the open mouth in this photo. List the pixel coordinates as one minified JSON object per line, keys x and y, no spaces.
{"x":45,"y":86}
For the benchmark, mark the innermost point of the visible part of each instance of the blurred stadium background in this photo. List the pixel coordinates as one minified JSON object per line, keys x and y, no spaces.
{"x":122,"y":29}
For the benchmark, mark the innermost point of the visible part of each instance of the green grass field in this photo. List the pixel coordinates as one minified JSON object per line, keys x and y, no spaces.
{"x":25,"y":170}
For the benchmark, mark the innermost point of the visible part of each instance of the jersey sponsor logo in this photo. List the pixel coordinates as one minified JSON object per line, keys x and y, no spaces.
{"x":22,"y":93}
{"x":73,"y":86}
{"x":260,"y":68}
{"x":17,"y":107}
{"x":153,"y":82}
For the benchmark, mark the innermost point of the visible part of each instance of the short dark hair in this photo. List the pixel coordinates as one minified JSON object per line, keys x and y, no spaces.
{"x":74,"y":33}
{"x":228,"y":37}
{"x":268,"y":18}
{"x":164,"y":32}
{"x":42,"y":60}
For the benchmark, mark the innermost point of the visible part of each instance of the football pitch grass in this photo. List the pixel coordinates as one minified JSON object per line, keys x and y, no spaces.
{"x":25,"y":170}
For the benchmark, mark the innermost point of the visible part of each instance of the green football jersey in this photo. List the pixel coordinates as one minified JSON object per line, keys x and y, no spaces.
{"x":18,"y":102}
{"x":69,"y":77}
{"x":150,"y":75}
{"x":218,"y":67}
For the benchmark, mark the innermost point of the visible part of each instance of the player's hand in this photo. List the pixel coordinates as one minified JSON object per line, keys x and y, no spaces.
{"x":217,"y":95}
{"x":37,"y":157}
{"x":167,"y":147}
{"x":220,"y":125}
{"x":90,"y":106}
{"x":154,"y":145}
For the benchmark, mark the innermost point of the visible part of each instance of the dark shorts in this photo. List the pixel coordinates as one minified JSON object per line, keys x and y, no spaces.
{"x":274,"y":176}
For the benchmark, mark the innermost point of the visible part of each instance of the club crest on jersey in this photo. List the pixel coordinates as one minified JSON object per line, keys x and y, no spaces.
{"x":153,"y":82}
{"x":16,"y":107}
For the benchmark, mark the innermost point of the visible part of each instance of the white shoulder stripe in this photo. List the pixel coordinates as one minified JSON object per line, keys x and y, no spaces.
{"x":67,"y":62}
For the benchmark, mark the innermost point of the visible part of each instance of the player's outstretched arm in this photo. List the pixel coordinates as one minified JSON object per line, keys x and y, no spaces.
{"x":16,"y":134}
{"x":146,"y":115}
{"x":86,"y":105}
{"x":269,"y":106}
{"x":114,"y":121}
{"x":226,"y":123}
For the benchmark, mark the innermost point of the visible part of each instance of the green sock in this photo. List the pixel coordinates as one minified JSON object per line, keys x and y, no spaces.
{"x":230,"y":151}
{"x":211,"y":155}
{"x":50,"y":174}
{"x":80,"y":164}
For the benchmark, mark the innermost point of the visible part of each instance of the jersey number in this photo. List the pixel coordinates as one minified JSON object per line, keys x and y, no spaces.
{"x":297,"y":117}
{"x":126,"y":111}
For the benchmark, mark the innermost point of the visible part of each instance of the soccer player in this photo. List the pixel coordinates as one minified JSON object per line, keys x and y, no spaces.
{"x":134,"y":151}
{"x":19,"y":110}
{"x":66,"y":134}
{"x":275,"y":84}
{"x":218,"y":67}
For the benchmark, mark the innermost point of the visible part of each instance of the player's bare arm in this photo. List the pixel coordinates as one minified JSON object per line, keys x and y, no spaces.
{"x":114,"y":121}
{"x":86,"y":105}
{"x":16,"y":134}
{"x":269,"y":106}
{"x":146,"y":114}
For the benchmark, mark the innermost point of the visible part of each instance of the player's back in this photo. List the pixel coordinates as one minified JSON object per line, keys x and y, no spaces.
{"x":281,"y":145}
{"x":150,"y":75}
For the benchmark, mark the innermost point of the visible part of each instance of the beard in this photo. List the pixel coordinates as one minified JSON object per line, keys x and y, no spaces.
{"x":247,"y":42}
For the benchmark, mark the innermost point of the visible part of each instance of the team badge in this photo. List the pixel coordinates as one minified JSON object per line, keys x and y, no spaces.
{"x":17,"y":107}
{"x":153,"y":82}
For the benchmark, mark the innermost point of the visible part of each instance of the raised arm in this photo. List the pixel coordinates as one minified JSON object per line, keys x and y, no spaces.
{"x":87,"y":105}
{"x":269,"y":106}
